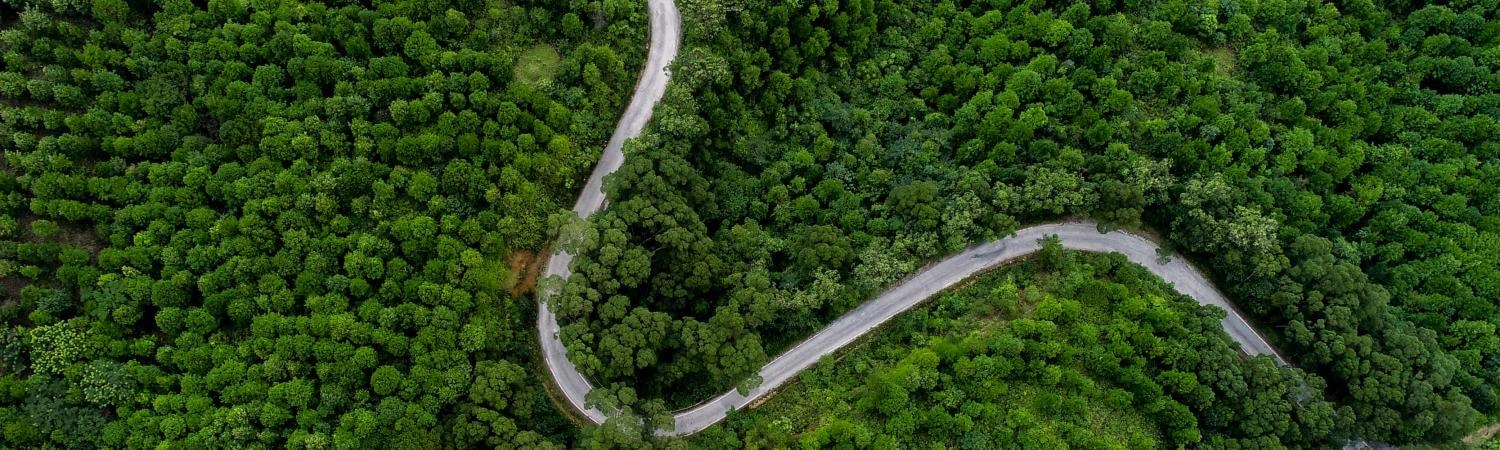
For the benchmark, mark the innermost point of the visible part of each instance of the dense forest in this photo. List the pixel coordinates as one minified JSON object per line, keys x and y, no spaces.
{"x":1332,"y":164}
{"x":284,"y":223}
{"x":276,"y":223}
{"x":1063,"y":350}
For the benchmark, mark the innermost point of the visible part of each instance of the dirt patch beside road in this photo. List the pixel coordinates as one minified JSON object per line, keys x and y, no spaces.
{"x":526,"y":266}
{"x":1482,"y":434}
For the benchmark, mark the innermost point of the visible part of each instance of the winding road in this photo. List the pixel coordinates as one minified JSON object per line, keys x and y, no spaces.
{"x":666,"y":33}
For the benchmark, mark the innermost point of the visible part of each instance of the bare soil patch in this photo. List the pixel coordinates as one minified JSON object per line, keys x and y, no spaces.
{"x":1482,"y":434}
{"x":527,"y":266}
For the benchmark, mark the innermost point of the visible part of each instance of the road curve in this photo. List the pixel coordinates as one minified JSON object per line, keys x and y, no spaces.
{"x":666,"y":32}
{"x":1077,"y":235}
{"x":666,"y":36}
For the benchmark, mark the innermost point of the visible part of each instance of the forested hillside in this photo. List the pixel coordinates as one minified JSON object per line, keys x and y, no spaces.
{"x":1332,"y":163}
{"x":1065,"y":350}
{"x":277,"y":223}
{"x":283,"y":223}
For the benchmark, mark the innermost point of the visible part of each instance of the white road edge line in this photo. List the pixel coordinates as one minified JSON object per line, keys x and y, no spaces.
{"x":666,"y":36}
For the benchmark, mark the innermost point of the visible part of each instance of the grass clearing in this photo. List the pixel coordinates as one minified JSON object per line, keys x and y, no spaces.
{"x":1225,"y":62}
{"x":1118,"y":425}
{"x":537,"y":65}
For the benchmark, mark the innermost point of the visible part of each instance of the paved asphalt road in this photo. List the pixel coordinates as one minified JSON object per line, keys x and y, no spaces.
{"x":666,"y":35}
{"x":954,"y":269}
{"x":666,"y":32}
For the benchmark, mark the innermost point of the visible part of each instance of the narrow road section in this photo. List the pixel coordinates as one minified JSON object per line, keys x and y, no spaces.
{"x":1078,"y":235}
{"x":666,"y":34}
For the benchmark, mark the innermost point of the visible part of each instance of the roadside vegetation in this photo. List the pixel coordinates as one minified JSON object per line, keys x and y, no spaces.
{"x":284,"y":223}
{"x":1331,"y":164}
{"x":1064,"y":349}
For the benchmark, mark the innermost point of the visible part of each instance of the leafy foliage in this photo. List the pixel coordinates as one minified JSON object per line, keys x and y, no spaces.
{"x":1331,"y":163}
{"x":284,"y":223}
{"x":1087,"y":350}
